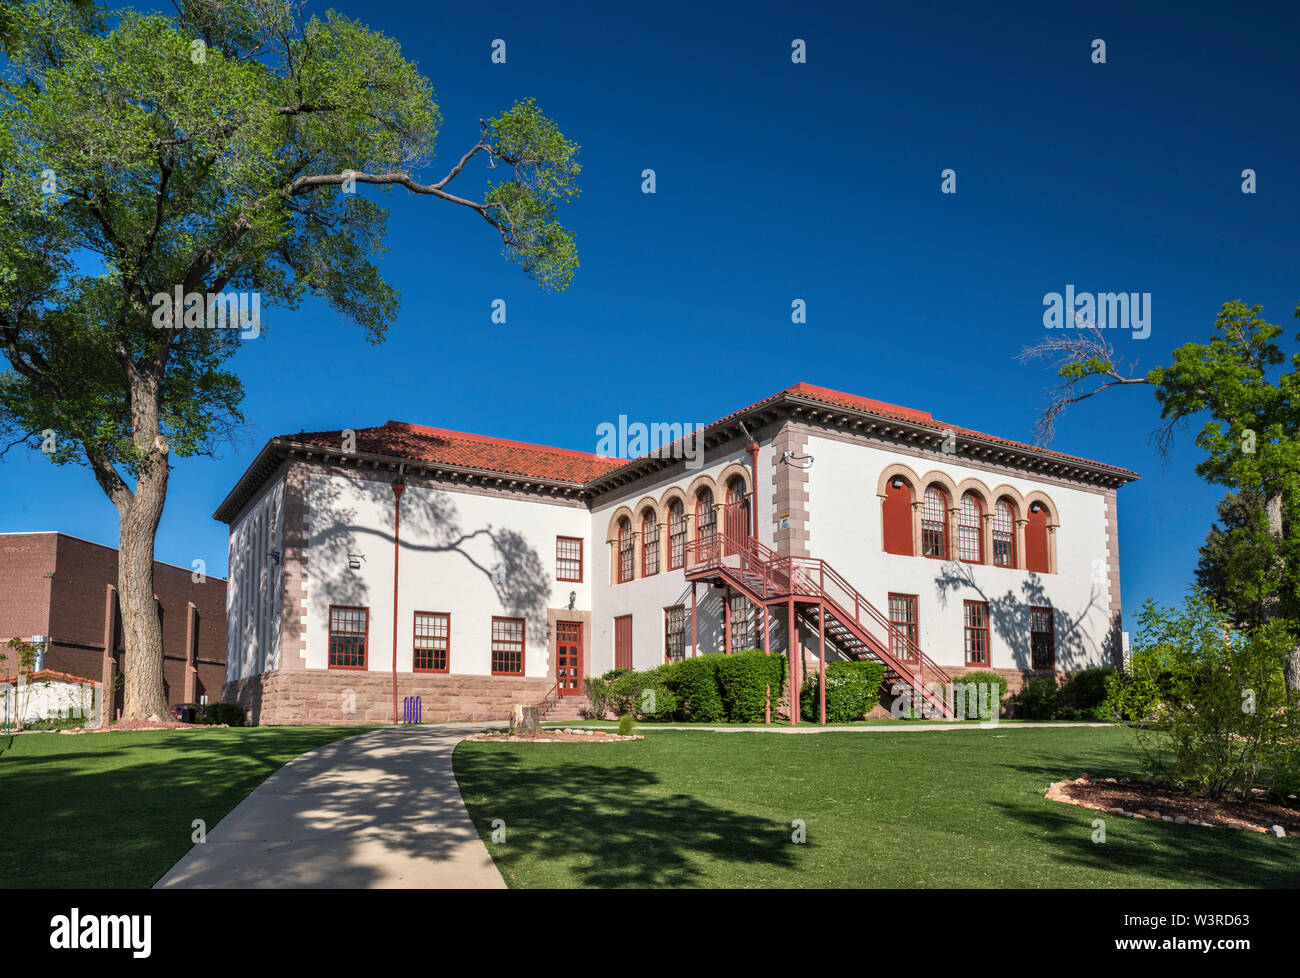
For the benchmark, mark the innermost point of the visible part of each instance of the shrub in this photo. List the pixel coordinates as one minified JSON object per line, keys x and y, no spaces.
{"x":971,"y":701}
{"x":694,"y":683}
{"x":1037,"y":698}
{"x":1084,"y":696}
{"x":231,"y":714}
{"x":597,"y":690}
{"x":743,"y":680}
{"x":851,"y":690}
{"x":644,"y":695}
{"x":626,"y":725}
{"x":1209,"y":703}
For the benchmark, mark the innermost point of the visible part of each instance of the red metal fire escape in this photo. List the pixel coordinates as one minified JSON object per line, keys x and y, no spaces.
{"x":823,"y":601}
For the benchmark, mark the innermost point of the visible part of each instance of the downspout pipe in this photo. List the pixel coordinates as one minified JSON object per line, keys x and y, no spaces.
{"x":399,"y":485}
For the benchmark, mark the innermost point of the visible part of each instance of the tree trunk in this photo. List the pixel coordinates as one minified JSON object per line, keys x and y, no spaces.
{"x":1271,"y":606}
{"x":144,"y":691}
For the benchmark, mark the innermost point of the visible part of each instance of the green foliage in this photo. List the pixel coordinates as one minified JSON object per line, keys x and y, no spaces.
{"x":1084,"y":695}
{"x":743,"y":681}
{"x":695,"y":683}
{"x":1209,"y":703}
{"x":852,"y":689}
{"x":1038,"y":698}
{"x":626,"y":725}
{"x":996,"y":684}
{"x":231,"y":714}
{"x":209,"y":149}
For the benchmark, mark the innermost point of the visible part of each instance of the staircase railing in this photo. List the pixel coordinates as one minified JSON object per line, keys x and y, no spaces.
{"x":812,"y":578}
{"x":549,"y":701}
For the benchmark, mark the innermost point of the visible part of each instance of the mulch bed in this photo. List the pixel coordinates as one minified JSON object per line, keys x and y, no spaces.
{"x":147,"y":725}
{"x":1153,"y":800}
{"x":564,"y":736}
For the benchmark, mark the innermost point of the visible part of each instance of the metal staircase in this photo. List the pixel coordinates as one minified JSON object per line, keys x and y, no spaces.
{"x":823,"y":600}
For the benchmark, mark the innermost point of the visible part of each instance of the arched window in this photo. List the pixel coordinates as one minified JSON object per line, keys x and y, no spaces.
{"x":737,"y":515}
{"x":706,"y":517}
{"x":897,"y":512}
{"x":970,"y":535}
{"x":676,"y":534}
{"x":649,"y":543}
{"x":1036,"y":558}
{"x":934,"y":523}
{"x":625,"y":550}
{"x":1004,"y":534}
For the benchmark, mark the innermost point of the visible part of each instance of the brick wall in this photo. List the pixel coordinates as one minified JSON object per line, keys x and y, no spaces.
{"x":316,"y":696}
{"x":69,"y":607}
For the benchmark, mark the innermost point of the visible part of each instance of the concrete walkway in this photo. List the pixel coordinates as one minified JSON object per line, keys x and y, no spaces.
{"x":379,"y":810}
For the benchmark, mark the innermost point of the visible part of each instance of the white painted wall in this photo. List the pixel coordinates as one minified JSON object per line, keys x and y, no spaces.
{"x":253,"y":586}
{"x":846,"y":528}
{"x":646,"y":599}
{"x":470,"y":555}
{"x":44,"y":699}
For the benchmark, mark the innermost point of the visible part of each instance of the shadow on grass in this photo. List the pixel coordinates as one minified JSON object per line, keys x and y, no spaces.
{"x":116,"y":809}
{"x":622,"y":833}
{"x":1188,"y":854}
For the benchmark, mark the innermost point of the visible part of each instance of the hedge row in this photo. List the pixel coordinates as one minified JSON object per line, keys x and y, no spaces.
{"x":852,"y":688}
{"x":706,"y":689}
{"x":1084,"y":696}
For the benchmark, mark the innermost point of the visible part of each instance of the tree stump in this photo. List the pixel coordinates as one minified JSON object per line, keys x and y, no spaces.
{"x":523,"y":720}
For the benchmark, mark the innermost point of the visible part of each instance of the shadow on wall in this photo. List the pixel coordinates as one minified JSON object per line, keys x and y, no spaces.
{"x":1010,"y":617}
{"x":431,"y":523}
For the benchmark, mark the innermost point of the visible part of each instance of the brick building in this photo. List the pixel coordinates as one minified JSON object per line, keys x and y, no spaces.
{"x":65,"y":588}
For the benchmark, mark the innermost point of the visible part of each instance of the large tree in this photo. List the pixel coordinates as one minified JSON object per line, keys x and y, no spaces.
{"x":1245,"y":388}
{"x":215,"y":151}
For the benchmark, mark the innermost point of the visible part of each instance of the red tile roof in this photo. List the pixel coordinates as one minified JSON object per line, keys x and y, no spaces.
{"x":440,"y":446}
{"x":399,"y":439}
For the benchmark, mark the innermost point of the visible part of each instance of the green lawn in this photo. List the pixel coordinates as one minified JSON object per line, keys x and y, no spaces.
{"x":115,"y":809}
{"x":942,"y":809}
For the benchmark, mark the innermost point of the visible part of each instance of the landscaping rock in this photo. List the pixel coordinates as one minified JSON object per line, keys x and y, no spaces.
{"x":1279,"y":831}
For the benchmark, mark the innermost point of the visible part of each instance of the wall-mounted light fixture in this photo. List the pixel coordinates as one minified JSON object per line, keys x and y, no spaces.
{"x":898,"y":483}
{"x":1035,"y":507}
{"x":573,"y":599}
{"x":798,"y":461}
{"x":275,"y":555}
{"x":354,"y":561}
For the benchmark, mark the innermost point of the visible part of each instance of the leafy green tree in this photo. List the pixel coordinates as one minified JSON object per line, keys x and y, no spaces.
{"x":1245,"y":388}
{"x":1209,"y":702}
{"x":212,"y":153}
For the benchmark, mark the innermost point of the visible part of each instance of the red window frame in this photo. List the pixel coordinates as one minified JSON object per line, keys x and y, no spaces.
{"x":352,"y":633}
{"x":975,"y":622}
{"x":1004,"y":531}
{"x":649,"y":543}
{"x":934,"y":523}
{"x":566,"y":560}
{"x":904,"y":616}
{"x":623,"y":642}
{"x":1042,"y":633}
{"x":675,"y":633}
{"x":676,"y":535}
{"x":626,"y":551}
{"x":427,"y":641}
{"x":970,"y":527}
{"x":505,"y":646}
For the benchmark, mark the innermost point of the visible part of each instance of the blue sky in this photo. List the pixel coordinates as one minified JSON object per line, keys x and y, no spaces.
{"x":818,"y":181}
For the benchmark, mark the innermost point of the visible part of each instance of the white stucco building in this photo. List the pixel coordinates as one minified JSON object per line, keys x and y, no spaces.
{"x":519,"y":568}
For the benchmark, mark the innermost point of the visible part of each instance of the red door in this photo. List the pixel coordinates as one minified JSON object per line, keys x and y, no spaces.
{"x":736,"y":517}
{"x":568,"y":657}
{"x":623,"y":642}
